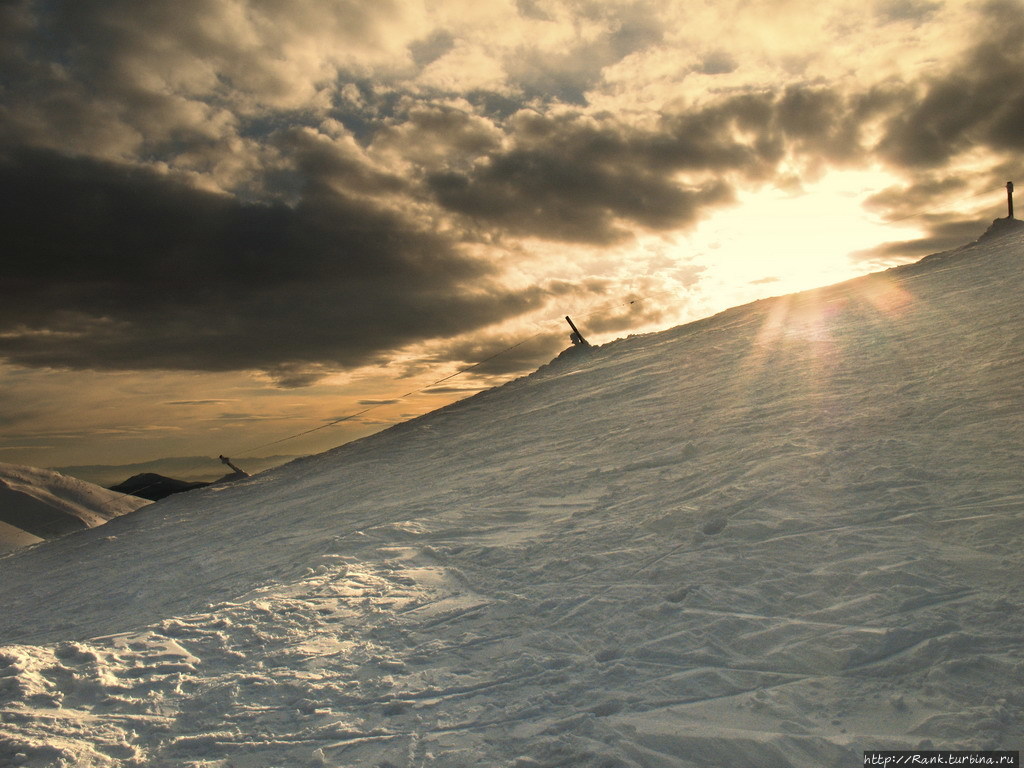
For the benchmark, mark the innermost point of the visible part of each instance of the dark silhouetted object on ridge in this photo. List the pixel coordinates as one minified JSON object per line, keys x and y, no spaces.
{"x":576,"y":337}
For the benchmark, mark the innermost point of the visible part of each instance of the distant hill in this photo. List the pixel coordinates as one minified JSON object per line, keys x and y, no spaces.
{"x":40,"y":504}
{"x":149,"y":485}
{"x":152,"y":486}
{"x":195,"y":469}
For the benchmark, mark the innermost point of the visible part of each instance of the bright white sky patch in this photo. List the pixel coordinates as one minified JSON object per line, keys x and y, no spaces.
{"x":777,"y":242}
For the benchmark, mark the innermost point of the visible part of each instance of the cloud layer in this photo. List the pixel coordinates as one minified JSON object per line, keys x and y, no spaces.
{"x":124,"y":268}
{"x":310,"y":186}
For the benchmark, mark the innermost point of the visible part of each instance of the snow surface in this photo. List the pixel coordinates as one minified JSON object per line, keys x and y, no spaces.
{"x":775,"y":537}
{"x":37,"y":504}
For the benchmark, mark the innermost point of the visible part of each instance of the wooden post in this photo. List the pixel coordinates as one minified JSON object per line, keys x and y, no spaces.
{"x":576,"y":336}
{"x":1009,"y":198}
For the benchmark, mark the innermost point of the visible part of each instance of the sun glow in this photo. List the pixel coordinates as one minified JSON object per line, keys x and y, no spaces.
{"x":809,"y":331}
{"x":777,"y":241}
{"x":806,"y":339}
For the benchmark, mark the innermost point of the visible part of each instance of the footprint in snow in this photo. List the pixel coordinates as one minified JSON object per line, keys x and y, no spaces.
{"x":714,"y":527}
{"x":678,"y":595}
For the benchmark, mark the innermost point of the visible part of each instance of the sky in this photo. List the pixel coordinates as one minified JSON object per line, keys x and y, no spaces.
{"x":228,"y":222}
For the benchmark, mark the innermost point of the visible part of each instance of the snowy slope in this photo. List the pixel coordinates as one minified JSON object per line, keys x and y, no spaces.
{"x":775,"y":537}
{"x":37,"y":504}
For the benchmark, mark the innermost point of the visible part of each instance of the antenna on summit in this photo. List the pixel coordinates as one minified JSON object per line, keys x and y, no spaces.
{"x":1009,"y":198}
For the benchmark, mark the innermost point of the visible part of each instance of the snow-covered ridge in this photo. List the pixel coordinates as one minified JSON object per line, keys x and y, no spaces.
{"x":37,"y":504}
{"x":775,"y":537}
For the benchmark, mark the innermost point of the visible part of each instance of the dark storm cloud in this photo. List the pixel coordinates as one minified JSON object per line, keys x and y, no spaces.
{"x":81,"y":75}
{"x":577,"y":179}
{"x":978,"y":102}
{"x":320,"y":166}
{"x":536,"y":193}
{"x":432,"y":47}
{"x":821,"y":123}
{"x":111,"y":267}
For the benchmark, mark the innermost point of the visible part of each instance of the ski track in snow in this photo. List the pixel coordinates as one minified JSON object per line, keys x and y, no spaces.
{"x":775,"y":537}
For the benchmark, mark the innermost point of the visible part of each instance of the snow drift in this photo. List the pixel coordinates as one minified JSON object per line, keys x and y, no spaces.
{"x":775,"y":537}
{"x":39,"y":504}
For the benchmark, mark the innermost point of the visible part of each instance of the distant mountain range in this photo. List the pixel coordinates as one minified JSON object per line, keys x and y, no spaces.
{"x":40,"y":504}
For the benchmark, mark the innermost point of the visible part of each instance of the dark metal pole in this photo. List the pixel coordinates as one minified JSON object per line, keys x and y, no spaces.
{"x":1009,"y":198}
{"x":227,"y":461}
